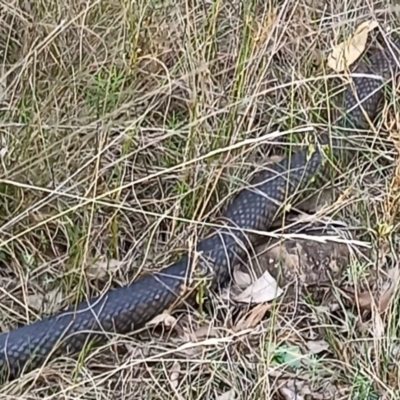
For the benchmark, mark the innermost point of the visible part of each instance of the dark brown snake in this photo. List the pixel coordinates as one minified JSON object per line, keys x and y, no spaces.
{"x":254,"y":209}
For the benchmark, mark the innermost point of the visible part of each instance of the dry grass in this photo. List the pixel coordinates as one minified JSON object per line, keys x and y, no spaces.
{"x":125,"y":127}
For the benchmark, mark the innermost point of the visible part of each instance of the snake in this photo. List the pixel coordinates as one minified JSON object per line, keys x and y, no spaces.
{"x":252,"y":210}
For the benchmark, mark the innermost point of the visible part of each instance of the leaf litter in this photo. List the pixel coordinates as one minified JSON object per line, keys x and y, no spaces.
{"x":347,"y":53}
{"x":262,"y":290}
{"x":47,"y":303}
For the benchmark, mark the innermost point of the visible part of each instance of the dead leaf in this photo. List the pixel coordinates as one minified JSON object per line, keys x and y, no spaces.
{"x":262,"y":290}
{"x":317,"y":346}
{"x":280,"y":254}
{"x":174,"y":375}
{"x":36,"y":301}
{"x":102,"y":267}
{"x":229,"y":395}
{"x":242,"y":279}
{"x":365,"y":300}
{"x":346,"y":53}
{"x":164,"y":318}
{"x":252,"y":318}
{"x":46,"y":303}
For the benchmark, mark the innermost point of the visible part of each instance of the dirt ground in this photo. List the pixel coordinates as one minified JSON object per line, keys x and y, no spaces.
{"x":126,"y":126}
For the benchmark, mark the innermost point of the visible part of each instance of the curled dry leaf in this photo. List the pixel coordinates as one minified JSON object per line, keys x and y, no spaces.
{"x":242,"y":279}
{"x":346,"y":53}
{"x":262,"y":290}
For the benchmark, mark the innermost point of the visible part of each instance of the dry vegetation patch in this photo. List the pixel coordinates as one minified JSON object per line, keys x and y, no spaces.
{"x":125,"y":127}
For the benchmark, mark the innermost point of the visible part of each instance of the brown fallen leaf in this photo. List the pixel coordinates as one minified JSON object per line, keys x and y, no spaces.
{"x":289,"y":260}
{"x":262,"y":290}
{"x":252,"y":318}
{"x":347,"y":52}
{"x":365,"y":300}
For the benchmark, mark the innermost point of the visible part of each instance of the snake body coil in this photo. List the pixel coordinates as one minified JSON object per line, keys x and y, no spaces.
{"x":254,"y":209}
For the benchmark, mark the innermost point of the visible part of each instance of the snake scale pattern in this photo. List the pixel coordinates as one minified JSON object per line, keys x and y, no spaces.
{"x":255,"y":207}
